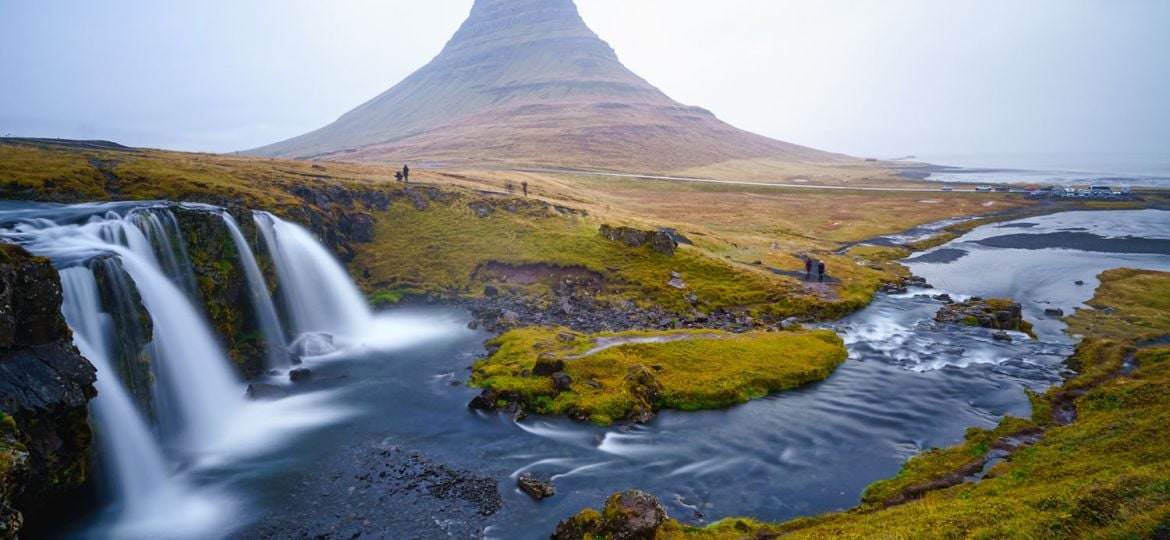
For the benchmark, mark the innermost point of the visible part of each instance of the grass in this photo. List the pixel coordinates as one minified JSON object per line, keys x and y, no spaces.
{"x":1107,"y":475}
{"x":704,"y":369}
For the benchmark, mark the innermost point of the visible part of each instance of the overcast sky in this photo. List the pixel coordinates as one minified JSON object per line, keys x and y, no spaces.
{"x":866,"y":77}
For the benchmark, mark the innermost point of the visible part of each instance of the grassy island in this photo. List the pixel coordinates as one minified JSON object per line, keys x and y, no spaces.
{"x":630,"y":375}
{"x":1092,"y":461}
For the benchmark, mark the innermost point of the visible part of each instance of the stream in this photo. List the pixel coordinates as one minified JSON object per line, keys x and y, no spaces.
{"x":394,"y":380}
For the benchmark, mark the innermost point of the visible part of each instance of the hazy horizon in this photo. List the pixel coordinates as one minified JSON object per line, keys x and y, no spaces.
{"x":872,"y":80}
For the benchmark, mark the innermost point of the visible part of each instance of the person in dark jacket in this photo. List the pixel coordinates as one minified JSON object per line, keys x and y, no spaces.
{"x":406,"y":173}
{"x":821,"y":270}
{"x":808,"y":268}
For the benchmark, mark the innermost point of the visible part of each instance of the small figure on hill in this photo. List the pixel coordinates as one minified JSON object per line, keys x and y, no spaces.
{"x":524,"y":187}
{"x":406,"y":173}
{"x":821,"y":270}
{"x":510,"y":187}
{"x":397,"y":176}
{"x":808,"y":268}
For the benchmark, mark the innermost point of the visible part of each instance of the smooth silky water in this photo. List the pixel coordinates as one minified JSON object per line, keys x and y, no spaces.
{"x":396,"y":379}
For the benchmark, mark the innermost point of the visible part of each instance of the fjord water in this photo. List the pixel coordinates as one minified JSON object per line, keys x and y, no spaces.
{"x":907,"y":386}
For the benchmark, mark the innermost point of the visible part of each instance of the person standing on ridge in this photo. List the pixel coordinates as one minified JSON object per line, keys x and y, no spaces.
{"x":406,"y":173}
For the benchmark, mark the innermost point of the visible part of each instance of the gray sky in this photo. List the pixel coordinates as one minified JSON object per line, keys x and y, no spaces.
{"x":866,"y":77}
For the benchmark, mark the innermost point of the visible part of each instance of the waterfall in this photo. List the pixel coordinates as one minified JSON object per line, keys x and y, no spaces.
{"x":317,"y":292}
{"x":274,"y":337}
{"x":152,"y":498}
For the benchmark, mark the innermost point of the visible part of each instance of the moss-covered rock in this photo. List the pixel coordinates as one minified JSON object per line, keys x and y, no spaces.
{"x":996,"y":313}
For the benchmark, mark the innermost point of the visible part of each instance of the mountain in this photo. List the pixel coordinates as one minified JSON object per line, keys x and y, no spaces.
{"x":527,"y":83}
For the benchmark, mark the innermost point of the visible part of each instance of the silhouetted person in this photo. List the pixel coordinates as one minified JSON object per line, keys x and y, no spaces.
{"x":397,"y":176}
{"x":808,"y":268}
{"x":406,"y":173}
{"x":821,"y":270}
{"x":524,"y":186}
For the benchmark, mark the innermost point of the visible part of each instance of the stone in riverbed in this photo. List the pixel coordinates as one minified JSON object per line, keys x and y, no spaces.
{"x":1054,"y":312}
{"x":633,"y":515}
{"x":300,"y":374}
{"x":265,"y":392}
{"x":1002,"y":336}
{"x":535,"y":488}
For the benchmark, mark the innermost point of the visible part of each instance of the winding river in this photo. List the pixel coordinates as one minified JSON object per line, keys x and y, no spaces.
{"x":908,"y":385}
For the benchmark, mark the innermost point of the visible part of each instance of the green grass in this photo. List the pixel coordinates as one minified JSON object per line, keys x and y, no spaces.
{"x":708,"y":369}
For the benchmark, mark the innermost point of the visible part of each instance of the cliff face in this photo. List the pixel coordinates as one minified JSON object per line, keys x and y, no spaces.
{"x":526,"y":82}
{"x":45,"y":388}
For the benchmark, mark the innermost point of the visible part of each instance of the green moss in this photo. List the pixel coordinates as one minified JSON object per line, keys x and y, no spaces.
{"x":703,"y":369}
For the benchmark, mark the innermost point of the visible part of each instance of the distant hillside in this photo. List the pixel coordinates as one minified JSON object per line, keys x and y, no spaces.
{"x":526,"y":82}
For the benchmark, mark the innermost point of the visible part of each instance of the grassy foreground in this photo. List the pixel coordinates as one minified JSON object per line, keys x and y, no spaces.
{"x":699,"y":369}
{"x":1093,"y":463}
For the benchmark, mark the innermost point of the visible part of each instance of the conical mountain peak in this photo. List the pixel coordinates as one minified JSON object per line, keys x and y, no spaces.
{"x":527,"y":82}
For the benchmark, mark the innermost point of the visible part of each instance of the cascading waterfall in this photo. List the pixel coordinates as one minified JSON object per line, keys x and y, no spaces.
{"x":317,"y":292}
{"x":274,"y":336}
{"x":170,"y":401}
{"x":151,"y":496}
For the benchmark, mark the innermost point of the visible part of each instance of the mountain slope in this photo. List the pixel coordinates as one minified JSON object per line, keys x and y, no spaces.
{"x":526,"y":82}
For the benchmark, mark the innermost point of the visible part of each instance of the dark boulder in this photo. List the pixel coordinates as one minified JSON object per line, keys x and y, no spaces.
{"x":562,"y":382}
{"x":535,"y":488}
{"x":1054,"y":312}
{"x":300,"y":374}
{"x":265,"y":392}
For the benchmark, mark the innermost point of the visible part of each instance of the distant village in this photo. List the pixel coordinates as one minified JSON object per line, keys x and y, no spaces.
{"x":1092,"y":192}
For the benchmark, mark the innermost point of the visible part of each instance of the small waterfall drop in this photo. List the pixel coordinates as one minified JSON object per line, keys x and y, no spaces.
{"x":277,"y":343}
{"x":318,"y":293}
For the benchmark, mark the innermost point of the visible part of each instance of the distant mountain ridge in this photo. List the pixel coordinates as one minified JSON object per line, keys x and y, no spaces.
{"x":527,"y":83}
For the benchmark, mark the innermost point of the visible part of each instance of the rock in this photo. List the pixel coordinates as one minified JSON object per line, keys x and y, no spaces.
{"x":1054,"y":312}
{"x":791,"y":322}
{"x":633,"y":515}
{"x":675,"y":275}
{"x":663,"y":243}
{"x":313,"y":344}
{"x":944,"y":298}
{"x":473,"y":325}
{"x":997,"y":314}
{"x":265,"y":392}
{"x":1079,"y":282}
{"x":645,"y":387}
{"x":490,"y":290}
{"x":300,"y":374}
{"x":535,"y":488}
{"x":481,"y":208}
{"x":485,"y":401}
{"x":516,"y":412}
{"x":45,"y":389}
{"x":1002,"y":336}
{"x":566,"y":337}
{"x":561,"y":382}
{"x":659,"y":241}
{"x":677,"y":283}
{"x":547,"y":364}
{"x":294,"y":359}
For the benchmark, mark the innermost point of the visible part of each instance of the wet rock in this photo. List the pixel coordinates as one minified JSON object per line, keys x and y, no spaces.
{"x":473,"y":325}
{"x":944,"y":298}
{"x":1002,"y":336}
{"x":1079,"y":282}
{"x":516,"y":412}
{"x":313,"y":344}
{"x":535,"y":488}
{"x":790,"y":323}
{"x":1054,"y":312}
{"x":300,"y":374}
{"x":633,"y":515}
{"x":547,"y":364}
{"x":265,"y":392}
{"x":45,"y":388}
{"x":997,"y":314}
{"x":645,"y":388}
{"x":485,"y":401}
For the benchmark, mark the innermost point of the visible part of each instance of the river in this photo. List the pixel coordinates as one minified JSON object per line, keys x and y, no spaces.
{"x":908,"y":385}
